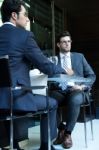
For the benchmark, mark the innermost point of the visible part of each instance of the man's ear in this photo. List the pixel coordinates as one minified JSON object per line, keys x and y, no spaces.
{"x":14,"y":15}
{"x":58,"y":45}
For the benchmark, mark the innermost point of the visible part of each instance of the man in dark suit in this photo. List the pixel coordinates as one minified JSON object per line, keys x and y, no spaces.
{"x":23,"y":51}
{"x":74,"y":64}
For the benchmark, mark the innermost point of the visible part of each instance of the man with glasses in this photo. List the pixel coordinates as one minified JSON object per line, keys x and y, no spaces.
{"x":74,"y":64}
{"x":23,"y":52}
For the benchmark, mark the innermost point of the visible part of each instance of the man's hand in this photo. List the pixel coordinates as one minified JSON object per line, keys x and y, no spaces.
{"x":69,"y":71}
{"x":78,"y":87}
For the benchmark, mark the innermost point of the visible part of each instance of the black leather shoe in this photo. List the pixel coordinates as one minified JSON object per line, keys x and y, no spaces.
{"x":67,"y":143}
{"x":59,"y":138}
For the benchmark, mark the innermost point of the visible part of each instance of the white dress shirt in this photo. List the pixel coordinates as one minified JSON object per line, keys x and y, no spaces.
{"x":66,"y":57}
{"x":9,"y":23}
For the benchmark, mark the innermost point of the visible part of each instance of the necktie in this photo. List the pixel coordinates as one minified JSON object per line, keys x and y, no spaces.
{"x":66,"y":62}
{"x":66,"y":65}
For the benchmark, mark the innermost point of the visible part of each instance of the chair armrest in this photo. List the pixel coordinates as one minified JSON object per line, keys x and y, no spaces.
{"x":29,"y":88}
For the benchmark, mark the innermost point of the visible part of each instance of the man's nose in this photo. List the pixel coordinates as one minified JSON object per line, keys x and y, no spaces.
{"x":28,"y":20}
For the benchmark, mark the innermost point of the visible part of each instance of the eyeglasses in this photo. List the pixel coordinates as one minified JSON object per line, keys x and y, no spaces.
{"x":65,"y":42}
{"x":25,"y":13}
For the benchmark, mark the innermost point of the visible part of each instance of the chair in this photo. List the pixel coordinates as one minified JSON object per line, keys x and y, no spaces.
{"x":9,"y":113}
{"x":87,"y":113}
{"x":87,"y":108}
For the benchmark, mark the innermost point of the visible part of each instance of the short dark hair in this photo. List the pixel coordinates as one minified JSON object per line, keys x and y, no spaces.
{"x":9,"y":6}
{"x":63,"y":34}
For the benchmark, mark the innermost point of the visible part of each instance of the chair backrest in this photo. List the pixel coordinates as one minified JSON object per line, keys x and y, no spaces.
{"x":5,"y":80}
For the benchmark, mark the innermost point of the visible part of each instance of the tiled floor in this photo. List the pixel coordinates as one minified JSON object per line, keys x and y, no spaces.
{"x":77,"y":136}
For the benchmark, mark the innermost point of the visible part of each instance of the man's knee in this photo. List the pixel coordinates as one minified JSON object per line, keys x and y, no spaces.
{"x":53,"y":103}
{"x":76,"y":99}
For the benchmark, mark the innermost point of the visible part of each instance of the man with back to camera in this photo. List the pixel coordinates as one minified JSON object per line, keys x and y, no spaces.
{"x":22,"y":49}
{"x":74,"y":64}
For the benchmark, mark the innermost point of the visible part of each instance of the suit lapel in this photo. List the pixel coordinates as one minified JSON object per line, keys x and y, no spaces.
{"x":73,"y":61}
{"x":59,"y":61}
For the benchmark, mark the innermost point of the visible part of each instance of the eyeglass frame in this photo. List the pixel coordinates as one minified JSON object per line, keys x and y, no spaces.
{"x":65,"y":42}
{"x":24,"y":13}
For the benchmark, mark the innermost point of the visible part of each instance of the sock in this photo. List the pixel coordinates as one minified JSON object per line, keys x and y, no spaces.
{"x":67,"y":132}
{"x":61,"y":126}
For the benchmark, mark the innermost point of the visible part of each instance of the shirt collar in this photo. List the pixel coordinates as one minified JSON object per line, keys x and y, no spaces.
{"x":64,"y":54}
{"x":9,"y":23}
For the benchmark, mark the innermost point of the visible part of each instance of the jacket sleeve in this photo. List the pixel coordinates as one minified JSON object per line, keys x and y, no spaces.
{"x":38,"y":59}
{"x":88,"y":71}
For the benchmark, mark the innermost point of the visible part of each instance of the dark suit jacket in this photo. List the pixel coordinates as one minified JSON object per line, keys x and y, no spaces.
{"x":81,"y":67}
{"x":23,"y":51}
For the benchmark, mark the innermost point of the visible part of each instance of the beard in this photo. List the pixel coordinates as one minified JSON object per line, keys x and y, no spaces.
{"x":65,"y":50}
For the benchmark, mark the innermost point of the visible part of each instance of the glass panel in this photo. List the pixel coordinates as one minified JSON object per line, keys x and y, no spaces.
{"x":40,"y":14}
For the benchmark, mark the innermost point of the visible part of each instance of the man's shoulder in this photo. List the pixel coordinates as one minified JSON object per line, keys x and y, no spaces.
{"x":26,"y":32}
{"x":15,"y":32}
{"x":22,"y":30}
{"x":77,"y":54}
{"x":13,"y":28}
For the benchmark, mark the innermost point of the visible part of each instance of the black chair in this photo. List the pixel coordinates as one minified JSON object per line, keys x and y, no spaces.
{"x":10,"y":114}
{"x":87,"y":113}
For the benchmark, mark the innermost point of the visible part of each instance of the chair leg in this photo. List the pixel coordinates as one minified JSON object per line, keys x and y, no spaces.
{"x":11,"y":134}
{"x":11,"y":122}
{"x":91,"y":122}
{"x":47,"y":104}
{"x":85,"y":128}
{"x":49,"y":139}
